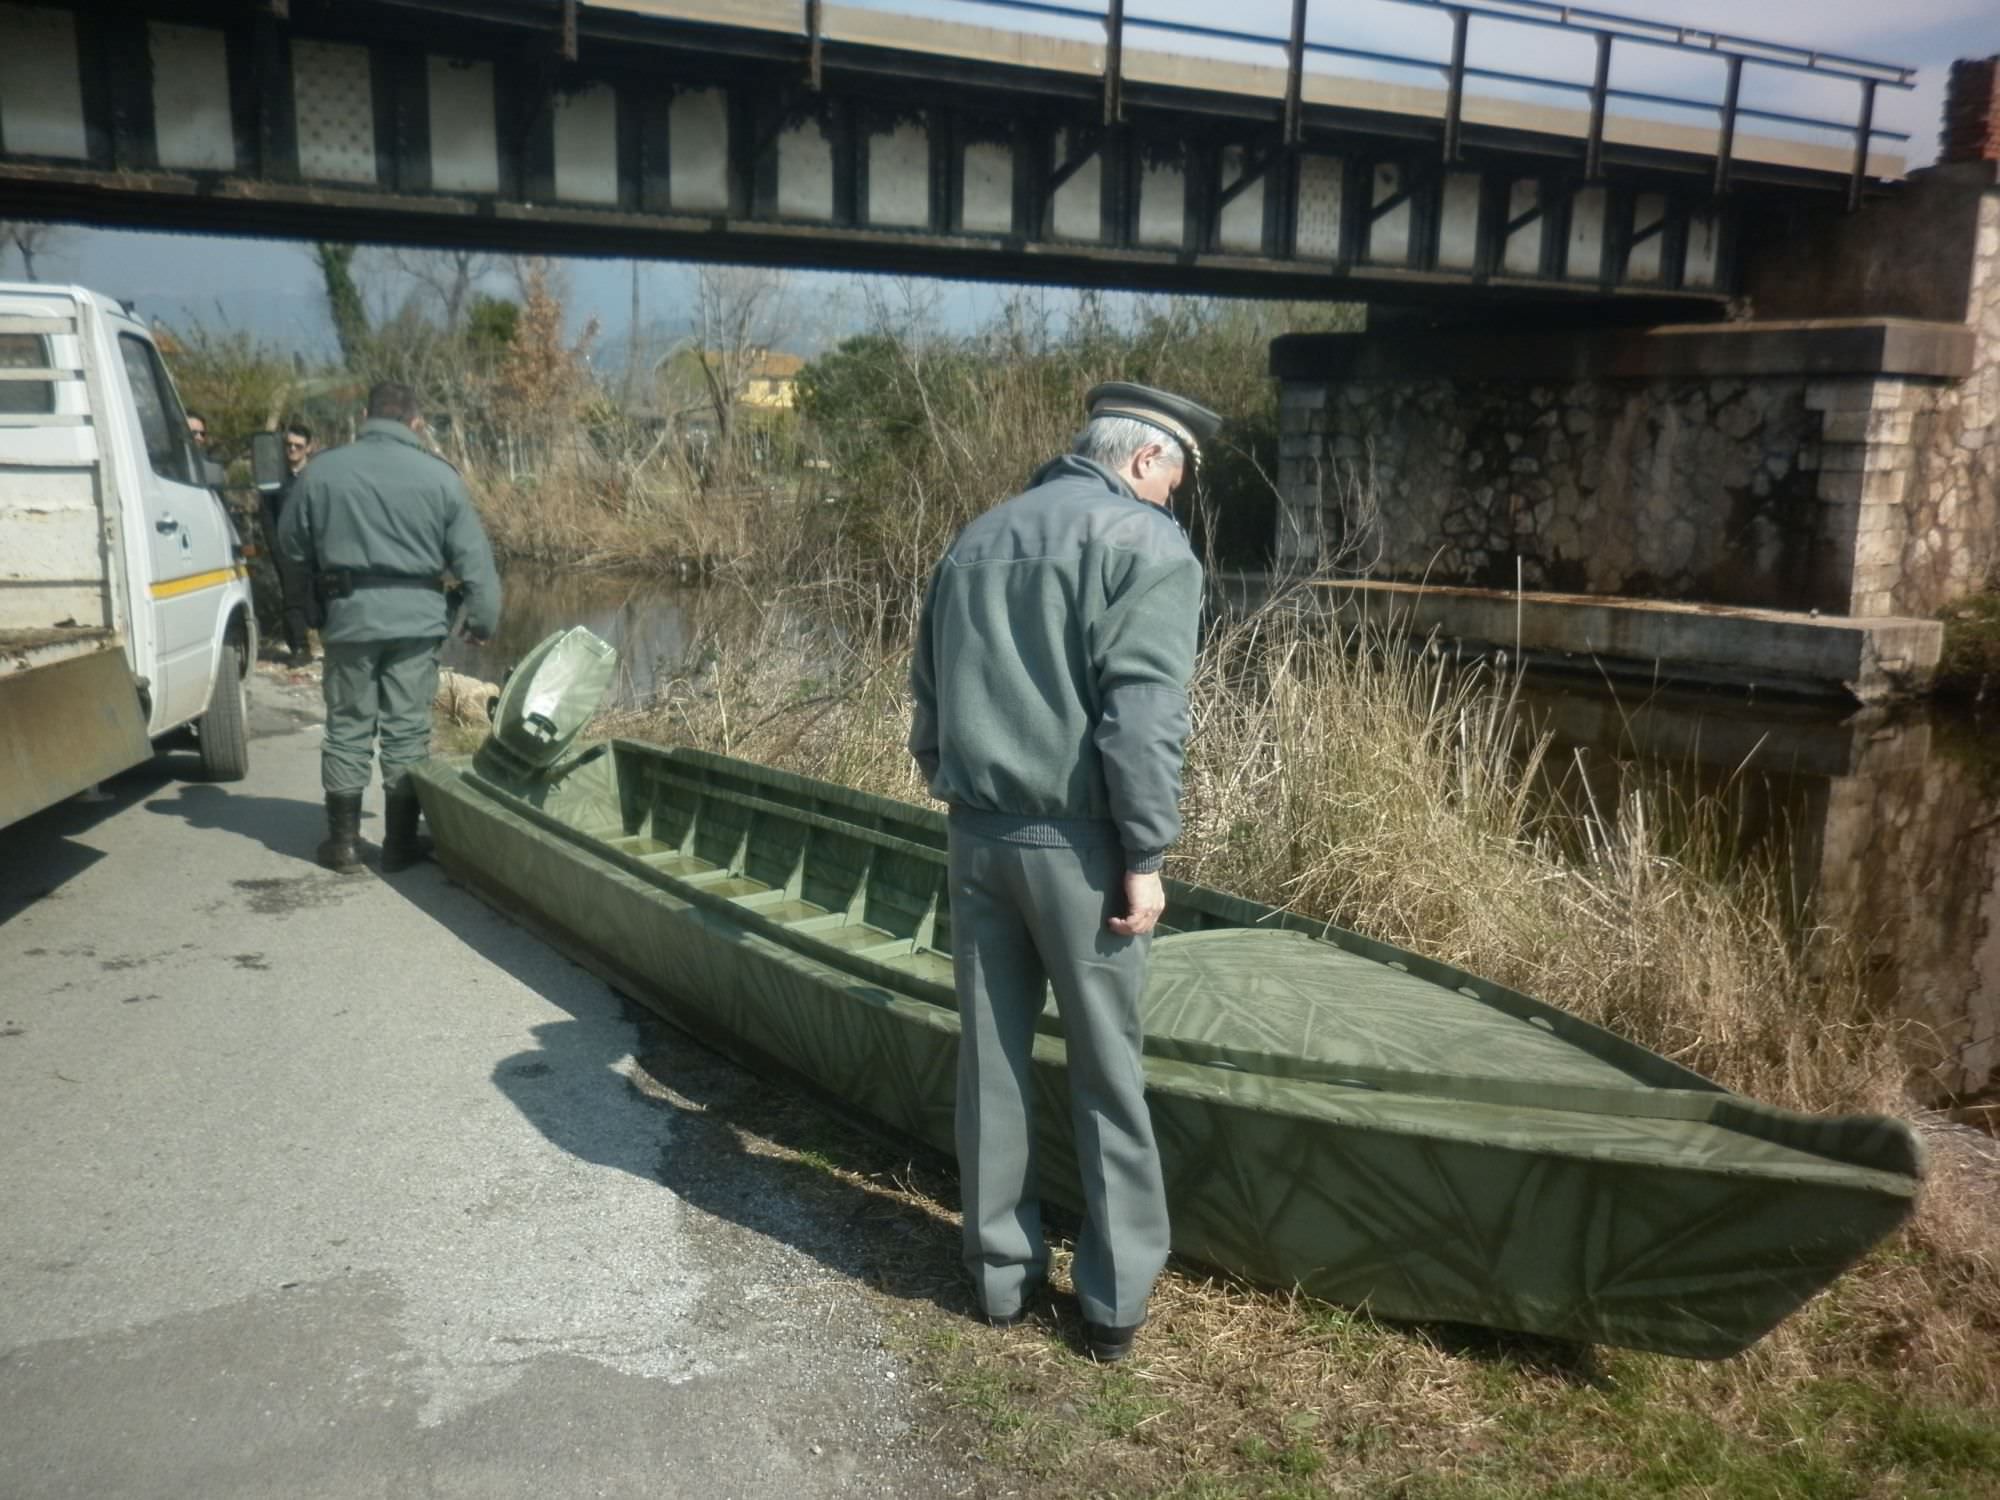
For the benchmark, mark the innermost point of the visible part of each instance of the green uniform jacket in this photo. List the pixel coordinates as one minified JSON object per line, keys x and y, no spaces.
{"x":1052,"y":664}
{"x":385,"y":505}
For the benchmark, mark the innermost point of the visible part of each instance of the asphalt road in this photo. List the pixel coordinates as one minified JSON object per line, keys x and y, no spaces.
{"x":324,"y":1186}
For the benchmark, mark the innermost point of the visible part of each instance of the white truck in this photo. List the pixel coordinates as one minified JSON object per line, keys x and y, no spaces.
{"x":125,"y":611}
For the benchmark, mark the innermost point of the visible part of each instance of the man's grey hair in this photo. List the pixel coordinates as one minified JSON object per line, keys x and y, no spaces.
{"x":1112,"y":441}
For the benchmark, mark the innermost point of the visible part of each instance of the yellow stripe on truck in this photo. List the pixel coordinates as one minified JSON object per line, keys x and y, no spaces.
{"x":174,"y":587}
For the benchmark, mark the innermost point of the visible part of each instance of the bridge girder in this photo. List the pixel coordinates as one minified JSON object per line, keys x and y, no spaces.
{"x":440,"y":122}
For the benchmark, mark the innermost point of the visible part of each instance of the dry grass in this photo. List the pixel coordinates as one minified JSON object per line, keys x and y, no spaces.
{"x":626,"y":515}
{"x":1360,"y":781}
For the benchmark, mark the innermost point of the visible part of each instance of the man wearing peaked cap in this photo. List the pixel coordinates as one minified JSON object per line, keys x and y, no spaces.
{"x":1049,"y":681}
{"x":1188,"y":423}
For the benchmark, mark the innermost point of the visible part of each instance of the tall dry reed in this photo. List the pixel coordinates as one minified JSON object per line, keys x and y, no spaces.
{"x":1345,"y":774}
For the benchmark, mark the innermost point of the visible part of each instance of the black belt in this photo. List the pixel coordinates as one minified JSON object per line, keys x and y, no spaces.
{"x":430,"y":583}
{"x":348,"y":579}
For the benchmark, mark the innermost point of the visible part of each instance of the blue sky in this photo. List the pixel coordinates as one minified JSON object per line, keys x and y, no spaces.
{"x":270,"y":288}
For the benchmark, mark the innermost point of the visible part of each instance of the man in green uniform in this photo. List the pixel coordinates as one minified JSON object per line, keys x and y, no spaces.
{"x":1050,"y":682}
{"x":377,"y":524}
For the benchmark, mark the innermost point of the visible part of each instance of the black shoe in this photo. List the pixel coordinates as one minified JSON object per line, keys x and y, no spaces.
{"x":1108,"y":1345}
{"x":340,"y":851}
{"x":1019,"y":1315}
{"x":402,"y":845}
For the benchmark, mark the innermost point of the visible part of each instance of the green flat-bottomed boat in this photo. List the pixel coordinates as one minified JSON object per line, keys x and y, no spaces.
{"x":1333,"y":1113}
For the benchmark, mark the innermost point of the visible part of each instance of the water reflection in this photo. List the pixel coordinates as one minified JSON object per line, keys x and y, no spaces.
{"x":648,"y":622}
{"x":1891,"y":821}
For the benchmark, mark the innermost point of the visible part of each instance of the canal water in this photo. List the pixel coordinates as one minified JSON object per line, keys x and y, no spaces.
{"x":650,"y":624}
{"x":1890,"y":820}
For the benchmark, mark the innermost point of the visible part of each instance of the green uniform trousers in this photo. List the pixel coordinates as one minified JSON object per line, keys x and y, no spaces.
{"x":377,"y":689}
{"x":1025,"y":919}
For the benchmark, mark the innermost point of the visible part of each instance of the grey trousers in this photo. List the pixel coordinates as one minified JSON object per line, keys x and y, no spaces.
{"x":1022,"y":919}
{"x":376,"y":689}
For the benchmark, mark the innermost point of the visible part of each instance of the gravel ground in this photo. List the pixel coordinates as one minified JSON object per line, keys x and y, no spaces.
{"x":349,"y":1187}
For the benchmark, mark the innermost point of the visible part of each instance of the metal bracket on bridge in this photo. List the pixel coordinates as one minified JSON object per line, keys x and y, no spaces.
{"x":1726,"y":143}
{"x":815,"y":39}
{"x":1862,"y":137}
{"x":1454,"y":106}
{"x":1295,"y":76}
{"x":1254,"y":167}
{"x":1114,"y":63}
{"x":569,"y":47}
{"x":1079,"y":159}
{"x":1600,"y":91}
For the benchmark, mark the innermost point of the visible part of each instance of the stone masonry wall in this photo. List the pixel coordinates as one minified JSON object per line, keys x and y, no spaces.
{"x":1672,"y":489}
{"x":1856,"y":494}
{"x":1910,"y":469}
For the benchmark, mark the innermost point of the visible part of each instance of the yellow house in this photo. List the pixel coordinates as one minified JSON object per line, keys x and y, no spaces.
{"x":773,"y":381}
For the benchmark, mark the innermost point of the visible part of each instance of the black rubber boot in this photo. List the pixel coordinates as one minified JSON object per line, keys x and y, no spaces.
{"x":341,"y":849}
{"x":402,"y":845}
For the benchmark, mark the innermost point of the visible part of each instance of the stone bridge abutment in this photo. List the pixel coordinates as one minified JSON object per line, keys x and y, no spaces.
{"x":1835,"y":453}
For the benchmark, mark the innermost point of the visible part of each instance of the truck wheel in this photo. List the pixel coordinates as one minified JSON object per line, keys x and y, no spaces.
{"x":224,"y":736}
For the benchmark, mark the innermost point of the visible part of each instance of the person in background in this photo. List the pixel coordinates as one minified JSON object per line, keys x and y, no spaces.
{"x":198,"y":430}
{"x":1050,"y":681}
{"x":377,"y":524}
{"x":301,"y":608}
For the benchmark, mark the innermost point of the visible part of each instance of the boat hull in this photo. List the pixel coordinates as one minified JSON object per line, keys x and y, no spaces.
{"x":1596,"y":1227}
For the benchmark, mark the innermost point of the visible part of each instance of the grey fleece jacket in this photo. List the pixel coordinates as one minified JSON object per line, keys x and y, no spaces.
{"x":1052,"y":664}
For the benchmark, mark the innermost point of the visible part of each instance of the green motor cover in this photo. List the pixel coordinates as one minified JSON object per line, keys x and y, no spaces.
{"x":547,"y":700}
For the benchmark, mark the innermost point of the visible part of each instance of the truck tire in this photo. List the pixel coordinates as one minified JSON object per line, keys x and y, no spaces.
{"x":223,"y":734}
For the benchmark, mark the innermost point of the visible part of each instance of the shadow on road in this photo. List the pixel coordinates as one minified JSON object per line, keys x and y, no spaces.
{"x":762,"y":1153}
{"x":285,"y":825}
{"x":40,"y":854}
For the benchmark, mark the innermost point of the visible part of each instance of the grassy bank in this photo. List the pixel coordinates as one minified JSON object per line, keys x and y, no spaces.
{"x":1377,"y":788}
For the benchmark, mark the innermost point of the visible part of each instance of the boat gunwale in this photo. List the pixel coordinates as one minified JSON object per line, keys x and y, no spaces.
{"x":1201,"y":1072}
{"x":1420,"y":1116}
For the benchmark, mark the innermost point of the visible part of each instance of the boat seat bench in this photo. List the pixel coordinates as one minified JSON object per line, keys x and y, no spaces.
{"x":835,"y":929}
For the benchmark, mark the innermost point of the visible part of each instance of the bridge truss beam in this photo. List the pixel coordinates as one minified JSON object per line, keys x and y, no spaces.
{"x":554,"y":127}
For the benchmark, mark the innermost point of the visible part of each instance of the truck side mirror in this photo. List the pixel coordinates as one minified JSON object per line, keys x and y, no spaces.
{"x":213,"y":474}
{"x":267,"y":461}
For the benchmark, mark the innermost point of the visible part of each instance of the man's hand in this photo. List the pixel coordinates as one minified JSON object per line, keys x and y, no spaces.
{"x":1145,"y":899}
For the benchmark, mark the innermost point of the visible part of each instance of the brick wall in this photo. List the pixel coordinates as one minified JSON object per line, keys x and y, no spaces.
{"x":1972,"y":112}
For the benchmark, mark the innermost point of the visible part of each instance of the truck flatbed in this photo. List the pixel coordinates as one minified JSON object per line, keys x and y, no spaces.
{"x":37,"y":646}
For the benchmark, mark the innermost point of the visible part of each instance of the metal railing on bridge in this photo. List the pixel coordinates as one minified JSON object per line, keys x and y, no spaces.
{"x":1606,"y":28}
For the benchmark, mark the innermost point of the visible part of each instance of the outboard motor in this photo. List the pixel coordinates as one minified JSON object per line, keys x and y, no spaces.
{"x":546,"y":702}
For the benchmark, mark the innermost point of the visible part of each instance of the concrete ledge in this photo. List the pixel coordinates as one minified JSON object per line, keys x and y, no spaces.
{"x":1708,"y":645}
{"x":1818,"y":347}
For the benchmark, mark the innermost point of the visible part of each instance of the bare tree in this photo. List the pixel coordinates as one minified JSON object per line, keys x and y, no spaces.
{"x":738,"y":313}
{"x":30,"y":241}
{"x":448,"y":278}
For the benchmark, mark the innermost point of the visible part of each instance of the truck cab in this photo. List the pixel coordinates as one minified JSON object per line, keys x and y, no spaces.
{"x":125,"y":610}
